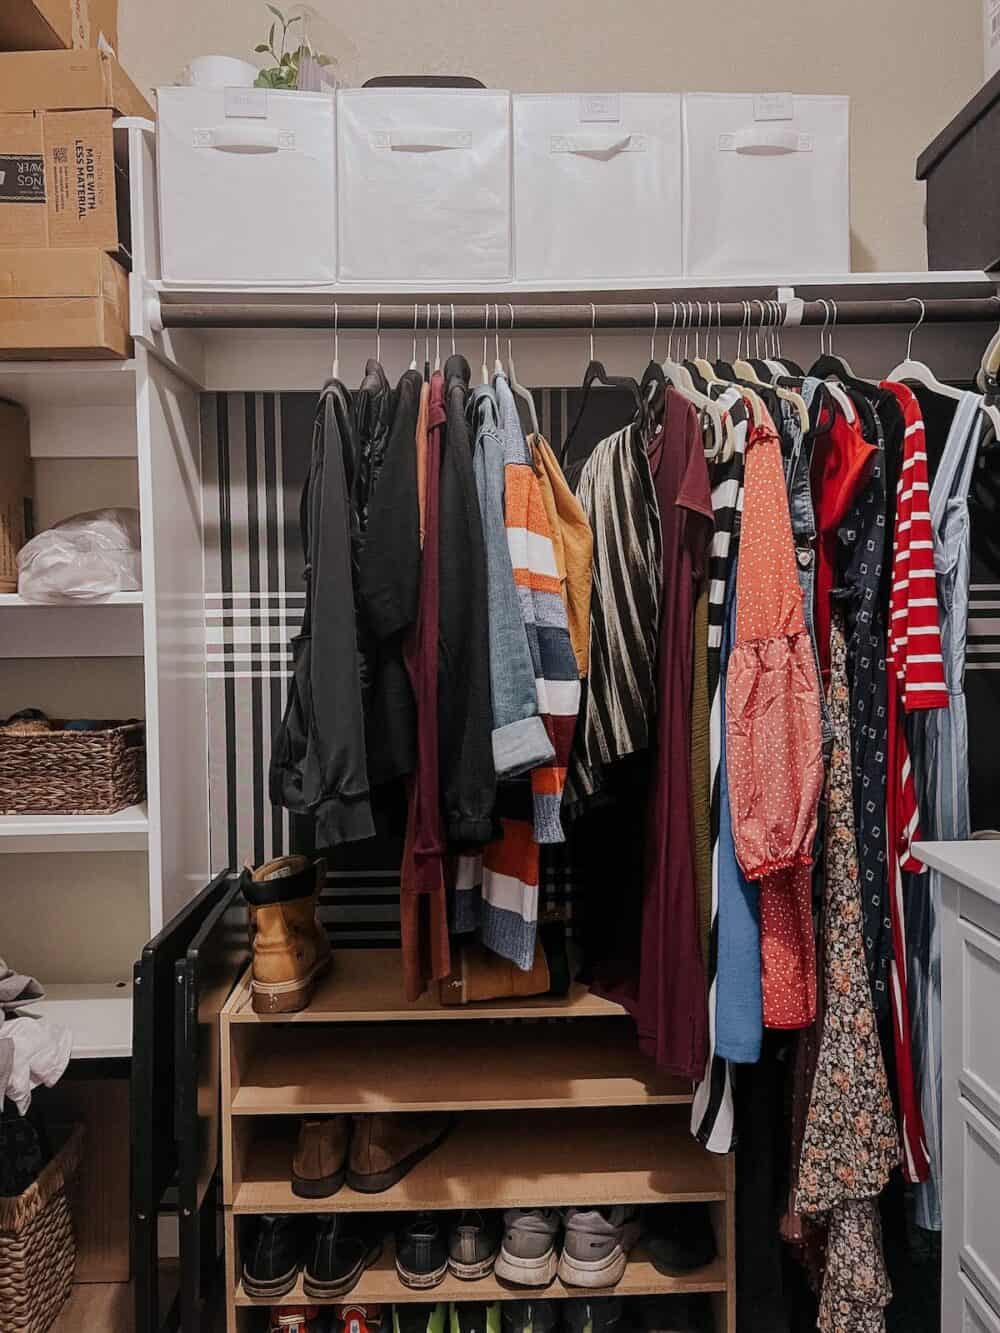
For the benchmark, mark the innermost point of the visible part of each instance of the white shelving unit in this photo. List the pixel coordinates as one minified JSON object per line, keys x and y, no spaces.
{"x":125,"y":831}
{"x":100,"y":1018}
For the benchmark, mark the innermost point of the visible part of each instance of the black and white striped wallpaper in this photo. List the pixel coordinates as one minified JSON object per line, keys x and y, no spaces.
{"x":255,"y":456}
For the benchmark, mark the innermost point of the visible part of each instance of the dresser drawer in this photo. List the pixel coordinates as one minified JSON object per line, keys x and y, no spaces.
{"x":978,"y":1316}
{"x":979,"y":1237}
{"x":979,"y":991}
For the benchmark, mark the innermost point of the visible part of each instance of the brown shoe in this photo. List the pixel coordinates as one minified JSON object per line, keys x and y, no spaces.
{"x":290,"y":947}
{"x":385,"y":1147}
{"x":319,"y":1163}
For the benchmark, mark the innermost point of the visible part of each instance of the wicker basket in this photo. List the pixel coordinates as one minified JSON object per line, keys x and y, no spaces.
{"x":72,"y":772}
{"x":37,"y":1245}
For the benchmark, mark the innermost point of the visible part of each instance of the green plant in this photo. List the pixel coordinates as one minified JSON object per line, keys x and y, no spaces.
{"x":285,"y":71}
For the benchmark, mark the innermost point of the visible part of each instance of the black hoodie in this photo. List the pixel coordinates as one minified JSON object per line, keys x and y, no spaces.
{"x":465,"y":714}
{"x":318,"y":763}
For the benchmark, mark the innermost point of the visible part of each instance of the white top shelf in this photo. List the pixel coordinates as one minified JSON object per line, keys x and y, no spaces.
{"x":666,"y":283}
{"x":126,"y":831}
{"x":975,"y":863}
{"x":99,"y":1016}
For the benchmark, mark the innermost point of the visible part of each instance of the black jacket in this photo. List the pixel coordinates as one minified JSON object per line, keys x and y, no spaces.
{"x":318,"y":764}
{"x":388,"y":590}
{"x":465,"y":715}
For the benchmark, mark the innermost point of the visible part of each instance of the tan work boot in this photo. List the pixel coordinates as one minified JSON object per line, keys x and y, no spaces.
{"x":385,"y":1147}
{"x":319,"y":1163}
{"x":290,"y":947}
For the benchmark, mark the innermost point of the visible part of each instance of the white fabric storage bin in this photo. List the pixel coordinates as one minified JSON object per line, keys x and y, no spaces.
{"x":766,"y":184}
{"x":597,"y":186}
{"x":426,"y":184}
{"x":246,"y":184}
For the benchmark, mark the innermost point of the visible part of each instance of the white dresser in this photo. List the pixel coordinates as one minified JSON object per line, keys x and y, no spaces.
{"x":970,"y":988}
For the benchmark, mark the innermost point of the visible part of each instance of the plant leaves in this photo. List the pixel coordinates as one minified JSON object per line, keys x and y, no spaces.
{"x":286,"y":59}
{"x":270,"y":38}
{"x":324,"y":60}
{"x":296,"y":19}
{"x":261,"y":48}
{"x":276,"y":12}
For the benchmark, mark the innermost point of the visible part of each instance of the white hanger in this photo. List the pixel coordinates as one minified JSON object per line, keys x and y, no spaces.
{"x":378,"y":332}
{"x":453,"y":328}
{"x":335,"y":369}
{"x":497,"y":364}
{"x":524,"y":394}
{"x":486,"y":329}
{"x":916,"y":372}
{"x":437,"y":344}
{"x":413,"y":358}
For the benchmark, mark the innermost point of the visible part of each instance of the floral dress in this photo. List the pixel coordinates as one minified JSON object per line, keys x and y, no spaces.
{"x":851,"y":1143}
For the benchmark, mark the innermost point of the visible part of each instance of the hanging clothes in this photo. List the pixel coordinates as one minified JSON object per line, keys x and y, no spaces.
{"x":388,"y":586}
{"x":319,"y":765}
{"x":573,"y":543}
{"x":850,"y":1144}
{"x":940,"y":751}
{"x":712,"y":1109}
{"x":465,"y":719}
{"x":615,"y":491}
{"x":520,"y":741}
{"x":668,"y":1000}
{"x":774,"y":738}
{"x":423,"y":908}
{"x":544,"y":616}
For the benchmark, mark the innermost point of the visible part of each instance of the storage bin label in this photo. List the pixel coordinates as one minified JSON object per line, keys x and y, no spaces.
{"x":247,"y":103}
{"x":600,"y":106}
{"x":773,"y":106}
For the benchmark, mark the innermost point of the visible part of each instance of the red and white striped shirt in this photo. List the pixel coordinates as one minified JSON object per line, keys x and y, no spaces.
{"x":914,"y":633}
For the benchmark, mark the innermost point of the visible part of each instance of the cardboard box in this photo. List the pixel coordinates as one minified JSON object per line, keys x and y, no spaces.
{"x":15,"y":490}
{"x":62,"y":304}
{"x":54,"y":25}
{"x":67,"y":81}
{"x":60,"y":182}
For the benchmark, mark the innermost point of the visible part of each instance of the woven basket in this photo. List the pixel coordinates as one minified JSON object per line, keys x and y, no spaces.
{"x":72,"y":772}
{"x":37,"y":1245}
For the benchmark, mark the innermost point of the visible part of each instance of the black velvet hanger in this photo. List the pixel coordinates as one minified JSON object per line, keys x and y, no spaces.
{"x":596,"y":373}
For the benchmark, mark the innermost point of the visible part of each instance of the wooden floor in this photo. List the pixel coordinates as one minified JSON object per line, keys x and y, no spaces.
{"x":98,"y":1307}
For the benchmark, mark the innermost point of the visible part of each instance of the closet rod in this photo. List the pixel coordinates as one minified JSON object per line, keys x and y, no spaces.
{"x":262,"y":314}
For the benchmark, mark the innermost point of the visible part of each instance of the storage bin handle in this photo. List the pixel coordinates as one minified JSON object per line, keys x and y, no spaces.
{"x":424,"y":141}
{"x":605,"y":144}
{"x":765,"y":141}
{"x":245,"y":137}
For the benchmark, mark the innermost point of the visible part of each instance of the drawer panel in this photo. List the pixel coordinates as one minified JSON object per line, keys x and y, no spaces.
{"x":979,"y":1074}
{"x":980,"y":1234}
{"x":982,"y":912}
{"x":977,"y":1315}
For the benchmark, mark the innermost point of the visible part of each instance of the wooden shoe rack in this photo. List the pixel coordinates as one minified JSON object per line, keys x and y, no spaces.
{"x":556,"y":1106}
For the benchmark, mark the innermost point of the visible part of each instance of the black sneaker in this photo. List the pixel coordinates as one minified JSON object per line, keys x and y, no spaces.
{"x":529,"y":1316}
{"x":678,"y":1237}
{"x":603,"y":1315}
{"x":271,"y":1262}
{"x":475,"y":1317}
{"x":342,"y":1248}
{"x":683,"y":1313}
{"x":421,"y":1253}
{"x":473,"y":1245}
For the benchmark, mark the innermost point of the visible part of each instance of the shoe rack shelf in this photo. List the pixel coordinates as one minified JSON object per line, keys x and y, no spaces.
{"x":380,"y":1284}
{"x":554,"y":1104}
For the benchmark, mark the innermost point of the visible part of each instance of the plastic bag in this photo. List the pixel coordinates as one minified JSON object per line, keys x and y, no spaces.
{"x":84,"y":558}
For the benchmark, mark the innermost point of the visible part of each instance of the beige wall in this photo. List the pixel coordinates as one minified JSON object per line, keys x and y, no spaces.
{"x":908,"y":65}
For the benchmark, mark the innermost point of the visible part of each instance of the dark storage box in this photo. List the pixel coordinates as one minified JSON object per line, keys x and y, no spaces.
{"x":962,"y":171}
